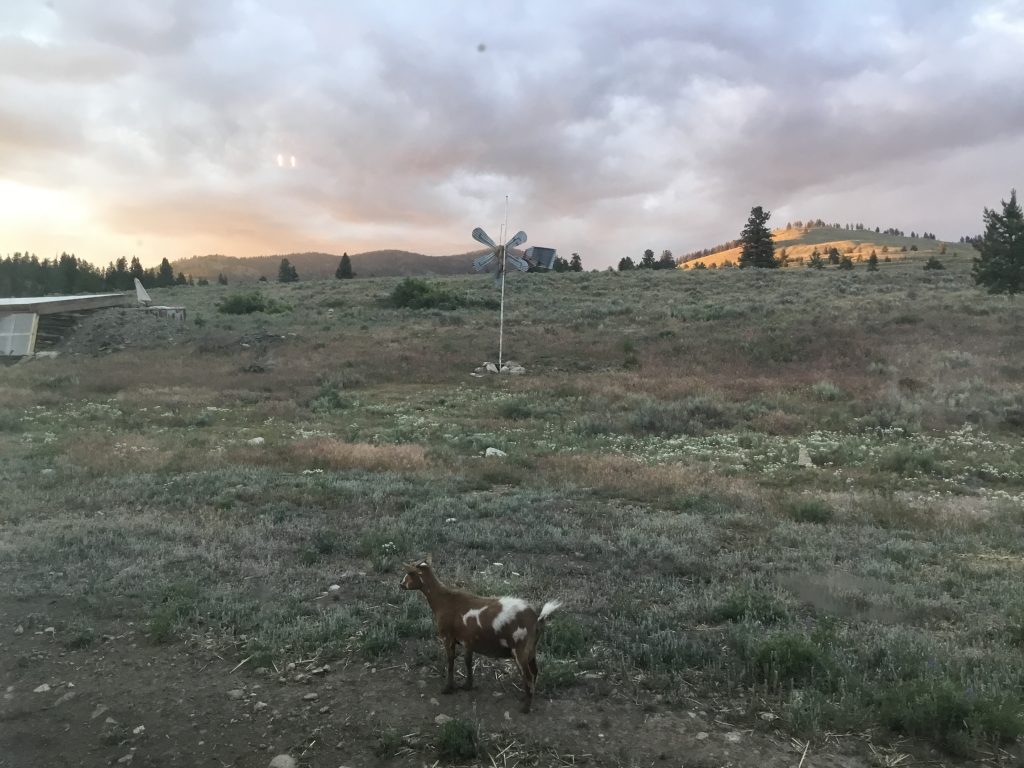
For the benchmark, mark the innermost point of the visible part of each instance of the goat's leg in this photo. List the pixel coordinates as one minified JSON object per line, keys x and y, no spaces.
{"x":449,"y":647}
{"x":526,"y":667}
{"x":469,"y":669}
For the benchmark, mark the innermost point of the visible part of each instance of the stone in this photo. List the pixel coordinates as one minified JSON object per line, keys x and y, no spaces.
{"x":66,"y":697}
{"x":442,"y":719}
{"x":41,"y":689}
{"x":491,"y":367}
{"x":701,"y":735}
{"x":495,"y":453}
{"x":139,"y":729}
{"x":259,"y":706}
{"x":282,"y":761}
{"x":804,"y":459}
{"x":256,"y":441}
{"x":126,"y":759}
{"x":733,"y":737}
{"x":311,"y":697}
{"x":19,"y":630}
{"x":236,"y":694}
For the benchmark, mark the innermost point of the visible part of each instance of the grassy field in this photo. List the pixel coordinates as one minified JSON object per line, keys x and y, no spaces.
{"x":652,"y":483}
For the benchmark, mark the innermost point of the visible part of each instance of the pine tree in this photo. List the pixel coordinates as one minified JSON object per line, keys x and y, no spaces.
{"x":222,"y":279}
{"x":135,"y":271}
{"x":286,"y":273}
{"x":575,"y":263}
{"x":647,"y":262}
{"x":1000,"y":267}
{"x":626,"y":264}
{"x":758,"y":246}
{"x":667,"y":261}
{"x":344,"y":270}
{"x":873,"y":262}
{"x":165,"y":273}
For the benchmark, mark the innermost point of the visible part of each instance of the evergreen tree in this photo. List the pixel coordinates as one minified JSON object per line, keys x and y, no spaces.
{"x":135,"y":271}
{"x":873,"y":262}
{"x":560,"y":265}
{"x":667,"y":261}
{"x":758,"y":246}
{"x":286,"y":273}
{"x":222,"y":279}
{"x":575,"y":263}
{"x":626,"y":264}
{"x":68,"y":268}
{"x":816,"y":262}
{"x":164,"y":273}
{"x":647,"y":262}
{"x":1000,"y":267}
{"x":344,"y":270}
{"x":181,"y":279}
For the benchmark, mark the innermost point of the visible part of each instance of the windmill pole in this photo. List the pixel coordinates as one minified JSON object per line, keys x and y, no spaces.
{"x":501,"y":311}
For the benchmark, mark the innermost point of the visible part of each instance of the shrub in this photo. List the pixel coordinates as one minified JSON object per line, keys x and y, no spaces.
{"x":933,"y":263}
{"x":846,"y":263}
{"x":247,"y":303}
{"x":458,"y":740}
{"x":826,"y":390}
{"x":809,"y":511}
{"x":414,"y":293}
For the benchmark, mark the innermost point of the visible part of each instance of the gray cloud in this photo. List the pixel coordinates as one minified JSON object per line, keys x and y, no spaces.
{"x":612,"y":128}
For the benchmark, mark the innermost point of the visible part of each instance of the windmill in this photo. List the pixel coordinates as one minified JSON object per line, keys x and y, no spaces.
{"x":499,"y":254}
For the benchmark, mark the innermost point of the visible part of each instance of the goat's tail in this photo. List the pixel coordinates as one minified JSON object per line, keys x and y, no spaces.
{"x":549,"y":607}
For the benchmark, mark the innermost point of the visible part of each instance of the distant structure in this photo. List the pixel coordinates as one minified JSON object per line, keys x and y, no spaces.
{"x":141,"y":294}
{"x":43,"y":320}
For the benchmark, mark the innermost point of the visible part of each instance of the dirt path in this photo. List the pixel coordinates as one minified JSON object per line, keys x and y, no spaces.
{"x":123,"y":701}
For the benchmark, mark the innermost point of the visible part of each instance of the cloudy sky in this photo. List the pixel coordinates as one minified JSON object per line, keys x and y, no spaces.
{"x":167,"y":127}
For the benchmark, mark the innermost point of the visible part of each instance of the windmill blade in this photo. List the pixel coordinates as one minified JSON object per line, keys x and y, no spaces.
{"x":482,"y":237}
{"x":517,"y":239}
{"x":482,"y":262}
{"x":517,"y":263}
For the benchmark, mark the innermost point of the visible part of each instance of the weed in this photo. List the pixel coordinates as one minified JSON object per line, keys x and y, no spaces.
{"x":809,"y":511}
{"x":247,"y":303}
{"x":458,"y":740}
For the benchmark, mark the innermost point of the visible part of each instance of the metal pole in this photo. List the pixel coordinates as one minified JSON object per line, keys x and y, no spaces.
{"x":501,"y":312}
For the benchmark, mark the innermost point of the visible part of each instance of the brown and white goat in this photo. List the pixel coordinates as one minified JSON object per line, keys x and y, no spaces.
{"x":500,"y":627}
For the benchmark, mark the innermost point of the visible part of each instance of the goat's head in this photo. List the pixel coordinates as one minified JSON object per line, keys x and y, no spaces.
{"x":415,"y":574}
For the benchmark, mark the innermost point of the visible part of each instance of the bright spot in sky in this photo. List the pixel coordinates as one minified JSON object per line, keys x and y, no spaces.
{"x":281,"y":161}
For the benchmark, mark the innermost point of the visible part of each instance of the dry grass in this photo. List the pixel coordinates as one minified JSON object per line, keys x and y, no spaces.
{"x":328,"y":453}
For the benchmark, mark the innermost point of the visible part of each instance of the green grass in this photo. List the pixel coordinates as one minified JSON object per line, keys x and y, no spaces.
{"x":651,"y":484}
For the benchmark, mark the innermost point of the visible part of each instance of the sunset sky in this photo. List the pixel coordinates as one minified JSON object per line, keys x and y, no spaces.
{"x":166,"y":128}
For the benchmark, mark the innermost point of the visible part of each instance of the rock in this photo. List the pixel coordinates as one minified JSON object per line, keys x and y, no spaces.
{"x":256,"y":441}
{"x":733,"y":737}
{"x":19,"y":630}
{"x":442,"y":719}
{"x":139,"y":729}
{"x":702,"y":735}
{"x":324,"y":710}
{"x":282,"y":761}
{"x":100,"y":709}
{"x":804,"y":459}
{"x":48,"y":472}
{"x":41,"y":689}
{"x":435,"y":702}
{"x":517,"y":371}
{"x":311,"y":697}
{"x":490,"y":367}
{"x":66,"y":697}
{"x":495,"y":452}
{"x":126,"y":759}
{"x":259,"y":706}
{"x":236,"y":694}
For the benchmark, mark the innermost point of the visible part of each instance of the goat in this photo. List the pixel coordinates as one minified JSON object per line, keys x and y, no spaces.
{"x":504,"y":627}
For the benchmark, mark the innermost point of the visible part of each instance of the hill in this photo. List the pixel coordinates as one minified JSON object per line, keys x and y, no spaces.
{"x":800,"y":243}
{"x":314,"y":265}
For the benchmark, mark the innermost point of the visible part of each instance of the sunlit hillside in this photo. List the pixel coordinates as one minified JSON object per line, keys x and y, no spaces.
{"x":798,"y":244}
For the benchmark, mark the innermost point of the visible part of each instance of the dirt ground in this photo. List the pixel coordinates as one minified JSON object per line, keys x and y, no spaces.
{"x":122,"y":700}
